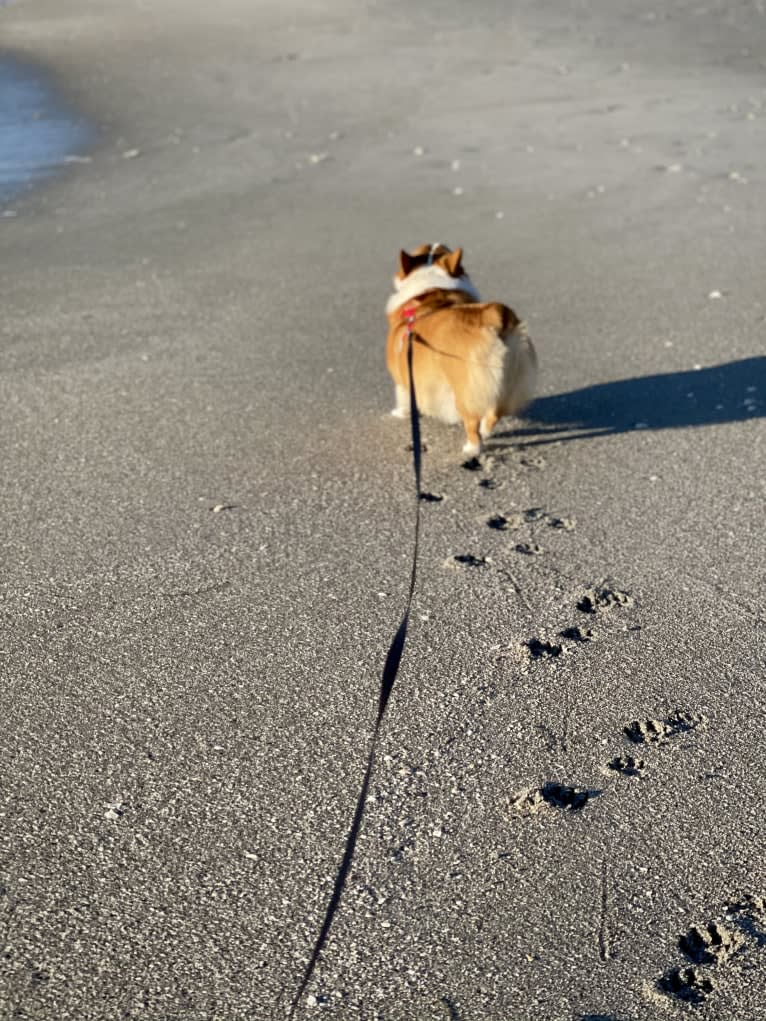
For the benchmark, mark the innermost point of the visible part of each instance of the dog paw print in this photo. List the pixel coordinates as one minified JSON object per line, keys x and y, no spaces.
{"x":540,"y":649}
{"x":599,"y":600}
{"x":501,"y":523}
{"x":529,"y":549}
{"x":710,"y":947}
{"x":651,"y":733}
{"x":687,"y":984}
{"x":710,"y":944}
{"x":578,"y":634}
{"x":627,"y":765}
{"x":563,"y":524}
{"x":531,"y":800}
{"x":751,"y":907}
{"x":659,"y":731}
{"x":542,"y":516}
{"x":466,"y":560}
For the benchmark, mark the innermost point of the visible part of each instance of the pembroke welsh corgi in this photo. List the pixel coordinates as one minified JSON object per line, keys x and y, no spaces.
{"x":472,"y":360}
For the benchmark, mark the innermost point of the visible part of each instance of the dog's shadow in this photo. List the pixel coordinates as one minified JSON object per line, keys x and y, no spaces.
{"x":733,"y":392}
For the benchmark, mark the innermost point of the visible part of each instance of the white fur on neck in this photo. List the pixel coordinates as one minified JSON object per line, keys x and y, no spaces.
{"x":428,"y":278}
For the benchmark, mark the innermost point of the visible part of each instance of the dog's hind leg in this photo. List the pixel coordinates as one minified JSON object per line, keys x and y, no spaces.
{"x":472,"y":446}
{"x":402,"y":409}
{"x":487,"y":424}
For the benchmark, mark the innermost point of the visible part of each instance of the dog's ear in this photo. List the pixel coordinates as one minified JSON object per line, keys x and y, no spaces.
{"x":407,"y":262}
{"x":452,"y":263}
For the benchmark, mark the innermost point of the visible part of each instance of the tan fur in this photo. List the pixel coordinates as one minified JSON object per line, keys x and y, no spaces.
{"x":473,"y":362}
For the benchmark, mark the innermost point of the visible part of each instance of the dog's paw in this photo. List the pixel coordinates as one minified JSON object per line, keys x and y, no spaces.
{"x":472,"y":449}
{"x":400,"y":413}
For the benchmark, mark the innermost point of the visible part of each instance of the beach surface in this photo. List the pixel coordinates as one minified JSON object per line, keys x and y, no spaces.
{"x":207,"y":516}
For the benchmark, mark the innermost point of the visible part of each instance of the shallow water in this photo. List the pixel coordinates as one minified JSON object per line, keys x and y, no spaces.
{"x":37,"y":131}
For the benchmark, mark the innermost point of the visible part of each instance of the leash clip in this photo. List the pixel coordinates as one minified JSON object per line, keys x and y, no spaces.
{"x":409,"y":316}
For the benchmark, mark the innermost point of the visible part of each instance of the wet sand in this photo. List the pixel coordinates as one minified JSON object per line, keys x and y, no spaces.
{"x":39,"y":135}
{"x":207,"y":516}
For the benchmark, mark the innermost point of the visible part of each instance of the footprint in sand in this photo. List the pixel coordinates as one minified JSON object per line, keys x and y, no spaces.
{"x":714,"y":948}
{"x":712,"y":943}
{"x":654,"y":733}
{"x":599,"y":600}
{"x":627,"y":765}
{"x":529,"y":549}
{"x":501,"y":523}
{"x":466,"y":560}
{"x":660,"y":731}
{"x":687,"y":984}
{"x":540,"y":649}
{"x":581,"y":636}
{"x":594,"y":601}
{"x":531,"y":800}
{"x":563,"y":524}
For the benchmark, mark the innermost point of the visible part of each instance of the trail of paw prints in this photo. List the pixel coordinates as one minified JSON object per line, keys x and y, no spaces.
{"x":593,"y":602}
{"x":567,"y":640}
{"x":551,"y":796}
{"x":652,"y":733}
{"x":714,"y":949}
{"x":512,"y":522}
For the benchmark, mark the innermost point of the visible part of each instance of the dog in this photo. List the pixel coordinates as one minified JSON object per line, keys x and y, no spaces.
{"x":472,"y":360}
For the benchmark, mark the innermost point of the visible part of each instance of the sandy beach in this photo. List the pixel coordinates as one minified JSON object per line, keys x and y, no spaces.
{"x":207,"y":510}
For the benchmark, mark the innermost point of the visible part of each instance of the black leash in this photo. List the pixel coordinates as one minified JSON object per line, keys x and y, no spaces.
{"x":390,"y":670}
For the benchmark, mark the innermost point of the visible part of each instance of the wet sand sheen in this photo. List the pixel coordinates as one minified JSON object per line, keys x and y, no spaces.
{"x":37,"y":131}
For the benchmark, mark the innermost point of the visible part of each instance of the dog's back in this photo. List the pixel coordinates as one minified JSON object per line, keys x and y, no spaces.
{"x":481,"y":352}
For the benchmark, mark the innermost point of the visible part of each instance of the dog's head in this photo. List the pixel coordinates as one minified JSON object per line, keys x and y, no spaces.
{"x":429,"y":268}
{"x":431,"y":255}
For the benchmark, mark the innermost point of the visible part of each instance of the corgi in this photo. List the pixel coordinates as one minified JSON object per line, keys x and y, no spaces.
{"x":472,"y":361}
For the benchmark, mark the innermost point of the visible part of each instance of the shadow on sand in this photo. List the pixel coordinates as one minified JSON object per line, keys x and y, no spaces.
{"x":733,"y":392}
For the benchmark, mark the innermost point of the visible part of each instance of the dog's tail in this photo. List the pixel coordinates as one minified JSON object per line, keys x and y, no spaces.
{"x":502,"y":319}
{"x":520,"y":362}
